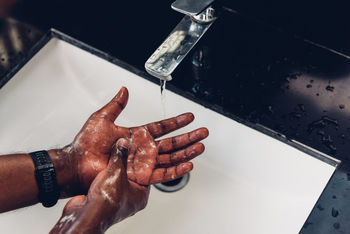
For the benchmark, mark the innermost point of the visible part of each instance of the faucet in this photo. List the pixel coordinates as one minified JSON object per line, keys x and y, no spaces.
{"x":199,"y":16}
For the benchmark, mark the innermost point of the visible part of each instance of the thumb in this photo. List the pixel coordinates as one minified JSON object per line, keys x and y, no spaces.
{"x":112,"y":109}
{"x":120,"y":151}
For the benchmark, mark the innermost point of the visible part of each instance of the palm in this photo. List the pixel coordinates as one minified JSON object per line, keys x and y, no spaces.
{"x":142,"y":156}
{"x":151,"y":161}
{"x":92,"y":147}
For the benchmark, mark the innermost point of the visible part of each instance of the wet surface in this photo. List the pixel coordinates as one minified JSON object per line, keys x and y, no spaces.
{"x":323,"y":22}
{"x":16,"y":39}
{"x":241,"y":66}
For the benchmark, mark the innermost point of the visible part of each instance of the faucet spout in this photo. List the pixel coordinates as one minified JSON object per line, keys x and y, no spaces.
{"x":181,"y":40}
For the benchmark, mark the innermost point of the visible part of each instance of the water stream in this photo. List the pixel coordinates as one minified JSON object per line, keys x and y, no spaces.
{"x":163,"y":97}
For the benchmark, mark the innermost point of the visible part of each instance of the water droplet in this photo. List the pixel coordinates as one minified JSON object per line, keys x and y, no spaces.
{"x":320,"y":207}
{"x":321,"y":123}
{"x":328,"y":142}
{"x":341,"y":106}
{"x":330,"y":120}
{"x":301,"y":107}
{"x":270,"y":109}
{"x":335,"y":212}
{"x":327,"y":139}
{"x":307,"y":223}
{"x":348,"y":176}
{"x":336,"y":225}
{"x":316,"y":124}
{"x":296,"y":115}
{"x":330,"y":88}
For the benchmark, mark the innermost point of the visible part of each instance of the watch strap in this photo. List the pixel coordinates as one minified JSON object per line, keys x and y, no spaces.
{"x":45,"y":176}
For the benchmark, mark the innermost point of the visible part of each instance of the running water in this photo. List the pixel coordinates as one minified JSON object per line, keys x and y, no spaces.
{"x":162,"y":86}
{"x":163,"y":97}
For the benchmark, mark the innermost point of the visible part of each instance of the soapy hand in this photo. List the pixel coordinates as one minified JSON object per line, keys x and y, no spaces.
{"x":89,"y":152}
{"x":151,"y":162}
{"x":112,"y":197}
{"x":122,"y":188}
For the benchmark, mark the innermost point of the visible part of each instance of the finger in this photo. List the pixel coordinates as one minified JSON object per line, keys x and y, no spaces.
{"x":165,"y":126}
{"x":162,"y":175}
{"x":166,"y":160}
{"x":121,"y":132}
{"x":112,"y":109}
{"x":130,"y":166}
{"x":181,"y":141}
{"x":119,"y":151}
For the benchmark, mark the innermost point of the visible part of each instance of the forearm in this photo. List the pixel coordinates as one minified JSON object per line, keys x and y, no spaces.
{"x":17,"y":180}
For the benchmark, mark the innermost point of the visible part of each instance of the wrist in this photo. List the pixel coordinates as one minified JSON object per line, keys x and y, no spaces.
{"x":66,"y":171}
{"x":94,"y":217}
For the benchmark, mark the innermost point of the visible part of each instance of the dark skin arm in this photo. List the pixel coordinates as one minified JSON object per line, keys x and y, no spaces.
{"x":78,"y":163}
{"x":17,"y":180}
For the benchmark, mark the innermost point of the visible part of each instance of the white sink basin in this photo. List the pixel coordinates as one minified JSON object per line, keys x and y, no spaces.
{"x":245,"y":182}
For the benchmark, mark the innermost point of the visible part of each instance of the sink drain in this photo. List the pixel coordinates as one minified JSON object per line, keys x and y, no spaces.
{"x":173,"y":185}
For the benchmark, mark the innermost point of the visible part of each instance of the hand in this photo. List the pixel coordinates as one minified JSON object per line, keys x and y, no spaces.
{"x":150,"y":162}
{"x":120,"y":190}
{"x":89,"y":152}
{"x":111,"y":198}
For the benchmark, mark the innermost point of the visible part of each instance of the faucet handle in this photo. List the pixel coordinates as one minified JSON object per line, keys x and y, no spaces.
{"x":191,"y":7}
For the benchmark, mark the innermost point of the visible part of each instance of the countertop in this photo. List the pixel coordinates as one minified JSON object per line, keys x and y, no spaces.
{"x":242,"y":66}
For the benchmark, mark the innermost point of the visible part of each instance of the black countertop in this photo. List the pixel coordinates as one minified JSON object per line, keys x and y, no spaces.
{"x":241,"y":66}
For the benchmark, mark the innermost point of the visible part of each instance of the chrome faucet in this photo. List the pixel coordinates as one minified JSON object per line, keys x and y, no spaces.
{"x":200,"y":14}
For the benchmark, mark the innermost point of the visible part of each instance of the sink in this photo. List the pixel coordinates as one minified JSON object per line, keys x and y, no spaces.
{"x":245,"y":182}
